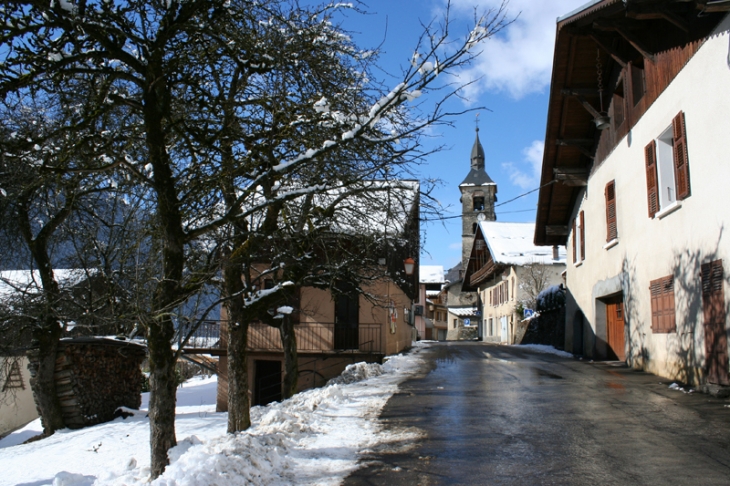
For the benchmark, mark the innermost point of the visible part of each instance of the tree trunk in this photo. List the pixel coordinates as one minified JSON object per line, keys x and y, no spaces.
{"x":43,"y":382}
{"x":162,"y":395}
{"x":239,"y":405}
{"x":291,"y":362}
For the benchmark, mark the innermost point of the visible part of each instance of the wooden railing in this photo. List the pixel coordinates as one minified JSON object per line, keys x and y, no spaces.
{"x":318,"y":337}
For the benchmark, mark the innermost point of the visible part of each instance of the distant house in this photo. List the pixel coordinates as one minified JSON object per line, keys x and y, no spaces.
{"x":431,"y":314}
{"x":333,"y":331}
{"x":508,"y":271}
{"x":634,"y":174}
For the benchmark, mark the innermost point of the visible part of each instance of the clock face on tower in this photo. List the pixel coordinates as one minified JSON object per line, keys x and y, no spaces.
{"x":481,"y":217}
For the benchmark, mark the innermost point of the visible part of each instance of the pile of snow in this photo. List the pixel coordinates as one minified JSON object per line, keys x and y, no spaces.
{"x":545,"y":348}
{"x":677,"y":387}
{"x":316,"y":437}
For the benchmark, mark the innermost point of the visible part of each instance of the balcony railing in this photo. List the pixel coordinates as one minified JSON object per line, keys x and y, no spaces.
{"x":313,"y":337}
{"x":318,"y":337}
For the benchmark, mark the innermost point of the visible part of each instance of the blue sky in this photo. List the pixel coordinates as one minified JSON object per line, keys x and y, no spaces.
{"x":514,"y":68}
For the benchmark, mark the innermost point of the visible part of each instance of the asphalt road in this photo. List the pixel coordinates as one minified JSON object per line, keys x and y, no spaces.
{"x":504,"y":415}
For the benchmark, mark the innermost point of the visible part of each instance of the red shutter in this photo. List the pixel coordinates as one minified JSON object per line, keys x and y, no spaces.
{"x":582,"y":236}
{"x":651,"y":178}
{"x":611,"y":228}
{"x":681,"y":159}
{"x":575,"y":236}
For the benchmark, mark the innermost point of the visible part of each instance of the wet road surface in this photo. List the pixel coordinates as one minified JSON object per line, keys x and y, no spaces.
{"x":492,"y":414}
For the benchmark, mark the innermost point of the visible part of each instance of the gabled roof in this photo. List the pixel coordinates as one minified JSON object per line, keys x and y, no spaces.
{"x":511,"y":244}
{"x":498,"y":246}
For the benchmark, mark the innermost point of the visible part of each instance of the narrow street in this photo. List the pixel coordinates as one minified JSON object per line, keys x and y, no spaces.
{"x":494,"y":414}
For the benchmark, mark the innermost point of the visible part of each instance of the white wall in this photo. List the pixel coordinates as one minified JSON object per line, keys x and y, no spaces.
{"x":678,"y":243}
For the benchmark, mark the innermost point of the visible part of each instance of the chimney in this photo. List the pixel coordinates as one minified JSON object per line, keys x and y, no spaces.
{"x":556,"y":254}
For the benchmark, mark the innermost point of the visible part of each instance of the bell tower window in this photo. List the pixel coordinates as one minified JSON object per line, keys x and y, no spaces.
{"x":478,"y":203}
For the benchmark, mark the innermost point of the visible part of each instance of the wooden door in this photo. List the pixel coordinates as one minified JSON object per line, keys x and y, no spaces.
{"x":713,"y":309}
{"x":615,"y":329}
{"x":267,"y":382}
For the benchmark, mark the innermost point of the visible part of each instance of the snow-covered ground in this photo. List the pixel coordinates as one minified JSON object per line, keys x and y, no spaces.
{"x":316,"y":437}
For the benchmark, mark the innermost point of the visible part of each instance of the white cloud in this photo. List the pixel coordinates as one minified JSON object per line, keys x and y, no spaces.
{"x":455,"y":246}
{"x":518,"y":60}
{"x":527,"y":174}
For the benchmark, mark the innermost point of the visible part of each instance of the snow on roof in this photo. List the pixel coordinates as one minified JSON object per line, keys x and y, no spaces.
{"x":26,"y":281}
{"x":431,"y":273}
{"x":463,"y":311}
{"x":511,"y":244}
{"x":432,"y":293}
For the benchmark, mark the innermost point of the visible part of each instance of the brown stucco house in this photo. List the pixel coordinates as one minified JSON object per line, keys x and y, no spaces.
{"x":335,"y":330}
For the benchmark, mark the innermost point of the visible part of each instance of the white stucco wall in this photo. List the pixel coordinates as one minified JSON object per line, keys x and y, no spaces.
{"x":677,"y":244}
{"x":17,"y":407}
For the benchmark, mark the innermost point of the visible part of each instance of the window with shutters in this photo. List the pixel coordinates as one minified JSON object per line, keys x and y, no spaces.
{"x":662,"y":305}
{"x":579,"y":237}
{"x":611,"y":225}
{"x":667,"y":168}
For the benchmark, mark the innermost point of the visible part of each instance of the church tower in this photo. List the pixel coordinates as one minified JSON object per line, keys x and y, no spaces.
{"x":478,"y":195}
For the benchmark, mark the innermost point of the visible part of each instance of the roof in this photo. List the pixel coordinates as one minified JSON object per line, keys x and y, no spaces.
{"x":432,"y":293}
{"x":464,"y":311}
{"x":431,"y":273}
{"x":511,"y":244}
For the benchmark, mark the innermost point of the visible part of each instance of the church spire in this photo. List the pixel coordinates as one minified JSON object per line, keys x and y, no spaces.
{"x":477,"y":153}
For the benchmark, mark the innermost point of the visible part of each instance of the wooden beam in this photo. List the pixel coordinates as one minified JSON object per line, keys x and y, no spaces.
{"x":620,"y":27}
{"x":636,"y":44}
{"x":556,"y":230}
{"x":581,"y":147}
{"x":582,"y":101}
{"x":671,"y":17}
{"x":615,"y":55}
{"x":572,"y":176}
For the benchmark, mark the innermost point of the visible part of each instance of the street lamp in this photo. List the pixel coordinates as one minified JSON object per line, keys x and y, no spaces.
{"x":410,"y":265}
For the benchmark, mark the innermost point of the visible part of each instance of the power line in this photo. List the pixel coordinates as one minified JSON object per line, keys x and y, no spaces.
{"x":497,"y":205}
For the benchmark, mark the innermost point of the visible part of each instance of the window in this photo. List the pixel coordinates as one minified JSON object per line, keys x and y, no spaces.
{"x":579,"y":236}
{"x":14,"y":378}
{"x":667,"y":167}
{"x":611,"y":227}
{"x":474,"y":228}
{"x":662,"y":305}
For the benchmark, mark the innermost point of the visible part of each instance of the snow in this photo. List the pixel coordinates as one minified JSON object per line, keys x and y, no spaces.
{"x":315,"y":437}
{"x":545,"y":349}
{"x":511,"y":244}
{"x":431,"y":273}
{"x":14,"y":281}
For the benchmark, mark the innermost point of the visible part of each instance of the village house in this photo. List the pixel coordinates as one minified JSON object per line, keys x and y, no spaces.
{"x":333,"y":331}
{"x":508,"y":271}
{"x":430,"y":316}
{"x":633,"y":176}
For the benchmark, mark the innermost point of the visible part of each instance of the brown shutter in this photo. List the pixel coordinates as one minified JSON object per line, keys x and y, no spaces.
{"x":575,"y":236}
{"x":663,"y":318}
{"x":611,"y":228}
{"x":681,"y":159}
{"x":582,"y":236}
{"x":651,"y":178}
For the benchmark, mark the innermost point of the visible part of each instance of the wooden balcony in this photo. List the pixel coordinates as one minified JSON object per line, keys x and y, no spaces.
{"x":311,"y":337}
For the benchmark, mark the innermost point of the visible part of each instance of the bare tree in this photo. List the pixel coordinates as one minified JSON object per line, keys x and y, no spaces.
{"x":221,"y":113}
